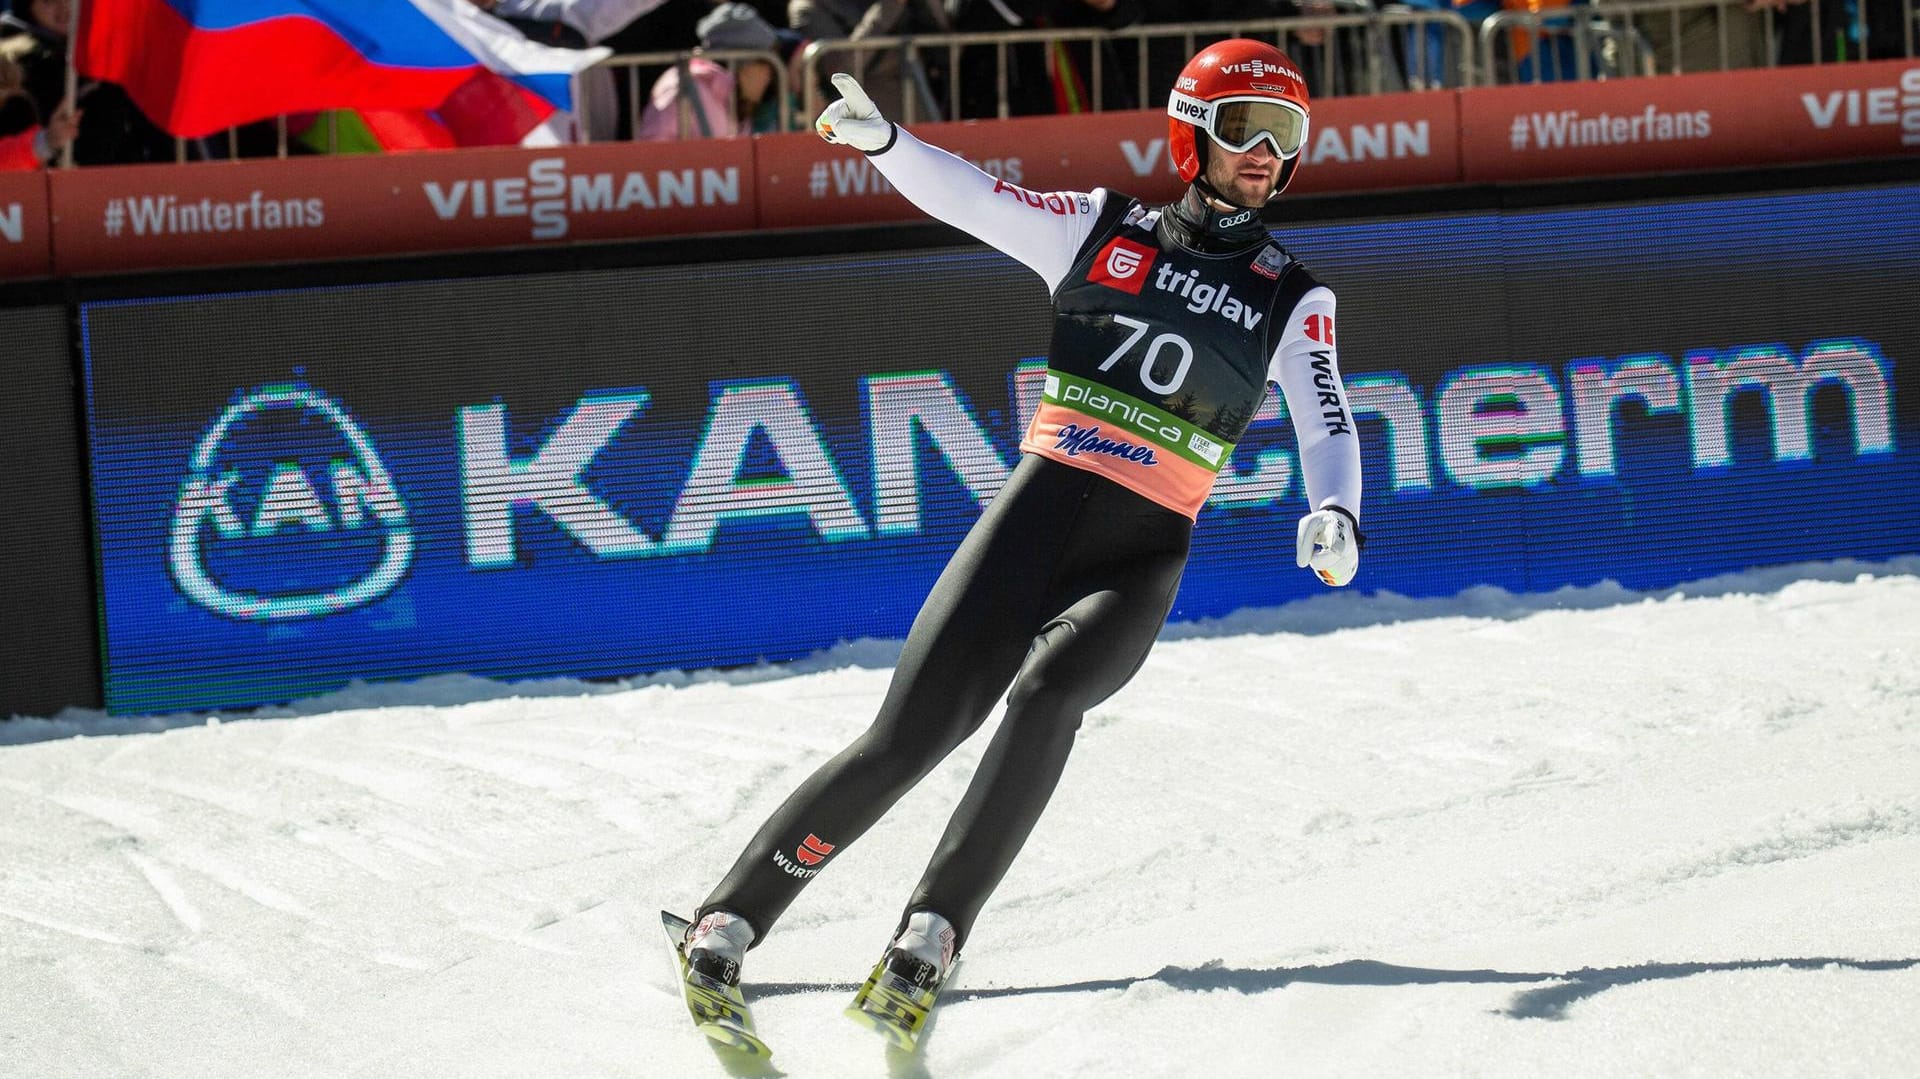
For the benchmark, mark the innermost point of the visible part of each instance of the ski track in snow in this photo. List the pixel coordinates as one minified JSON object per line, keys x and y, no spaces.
{"x":1593,"y":832}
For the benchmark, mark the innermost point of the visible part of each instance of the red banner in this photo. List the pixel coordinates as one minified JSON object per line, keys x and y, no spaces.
{"x":1728,"y":119}
{"x":310,"y":208}
{"x":112,"y":219}
{"x":1359,"y":143}
{"x":23,"y":225}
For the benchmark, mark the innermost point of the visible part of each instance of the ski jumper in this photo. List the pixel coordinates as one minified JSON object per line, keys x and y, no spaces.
{"x":1169,"y":326}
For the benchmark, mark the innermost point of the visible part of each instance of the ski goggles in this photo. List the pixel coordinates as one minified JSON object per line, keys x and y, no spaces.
{"x":1239,"y":123}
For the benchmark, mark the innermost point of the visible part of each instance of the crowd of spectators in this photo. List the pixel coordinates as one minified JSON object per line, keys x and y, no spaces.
{"x":746,"y":75}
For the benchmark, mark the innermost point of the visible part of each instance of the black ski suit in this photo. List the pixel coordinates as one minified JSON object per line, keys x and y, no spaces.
{"x":1170,"y":324}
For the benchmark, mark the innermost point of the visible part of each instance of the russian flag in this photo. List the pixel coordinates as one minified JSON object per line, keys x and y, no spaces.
{"x":200,"y":66}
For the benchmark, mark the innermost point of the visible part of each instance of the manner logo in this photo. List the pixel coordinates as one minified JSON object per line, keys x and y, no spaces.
{"x":287,"y":512}
{"x":1123,"y":265}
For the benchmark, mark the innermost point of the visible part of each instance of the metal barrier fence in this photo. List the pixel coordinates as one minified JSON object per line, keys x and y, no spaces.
{"x":939,"y":76}
{"x":1613,"y":38}
{"x":1359,"y":49}
{"x":1558,"y":45}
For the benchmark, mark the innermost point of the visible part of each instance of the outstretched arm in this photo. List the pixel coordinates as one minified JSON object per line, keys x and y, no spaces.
{"x":1042,"y":230}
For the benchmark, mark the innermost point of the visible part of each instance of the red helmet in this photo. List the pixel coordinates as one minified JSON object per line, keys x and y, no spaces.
{"x":1240,"y":92}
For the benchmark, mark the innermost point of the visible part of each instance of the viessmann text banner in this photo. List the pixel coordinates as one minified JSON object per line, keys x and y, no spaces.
{"x":109,"y":220}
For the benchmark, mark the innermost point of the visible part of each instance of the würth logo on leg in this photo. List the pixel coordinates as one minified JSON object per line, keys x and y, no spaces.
{"x":813,"y":850}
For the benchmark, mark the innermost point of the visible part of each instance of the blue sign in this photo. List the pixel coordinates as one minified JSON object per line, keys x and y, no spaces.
{"x":605,"y":473}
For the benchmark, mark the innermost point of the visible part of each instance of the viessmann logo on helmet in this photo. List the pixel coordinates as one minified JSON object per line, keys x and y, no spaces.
{"x":1123,"y":265}
{"x":1259,"y":69}
{"x":287,"y":512}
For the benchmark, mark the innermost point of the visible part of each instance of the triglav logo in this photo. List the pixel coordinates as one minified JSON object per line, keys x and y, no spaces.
{"x":1123,"y":265}
{"x":326,"y":532}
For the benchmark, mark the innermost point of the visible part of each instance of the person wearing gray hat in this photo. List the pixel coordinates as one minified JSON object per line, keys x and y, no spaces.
{"x":732,"y":96}
{"x":857,"y":20}
{"x":757,"y":90}
{"x":736,"y":26}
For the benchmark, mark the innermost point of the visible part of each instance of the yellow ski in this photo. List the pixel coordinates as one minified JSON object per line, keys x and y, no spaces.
{"x":893,"y":1005}
{"x":719,"y":1010}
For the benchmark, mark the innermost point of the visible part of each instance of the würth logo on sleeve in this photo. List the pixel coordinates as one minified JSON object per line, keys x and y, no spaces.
{"x":1123,"y":264}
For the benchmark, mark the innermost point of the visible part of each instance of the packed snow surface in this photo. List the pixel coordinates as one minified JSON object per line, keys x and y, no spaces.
{"x":1590,"y":833}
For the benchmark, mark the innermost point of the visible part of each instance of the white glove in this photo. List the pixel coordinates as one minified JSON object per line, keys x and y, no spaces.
{"x":854,"y":120}
{"x":1328,"y":541}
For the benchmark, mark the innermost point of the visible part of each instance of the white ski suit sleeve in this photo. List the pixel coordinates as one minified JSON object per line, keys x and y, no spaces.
{"x":1041,"y":230}
{"x":1306,"y":367}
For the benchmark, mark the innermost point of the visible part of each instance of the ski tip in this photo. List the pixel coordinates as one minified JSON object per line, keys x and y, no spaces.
{"x":737,"y":1040}
{"x":896,"y":1038}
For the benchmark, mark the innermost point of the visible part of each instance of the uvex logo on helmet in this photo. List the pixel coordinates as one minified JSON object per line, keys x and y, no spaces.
{"x":1189,"y":109}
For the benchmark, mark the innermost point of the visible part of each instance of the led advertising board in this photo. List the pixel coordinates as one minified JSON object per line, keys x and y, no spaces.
{"x":598,"y":473}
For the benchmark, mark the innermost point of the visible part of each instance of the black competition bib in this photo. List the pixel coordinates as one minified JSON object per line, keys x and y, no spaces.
{"x":1158,"y":359}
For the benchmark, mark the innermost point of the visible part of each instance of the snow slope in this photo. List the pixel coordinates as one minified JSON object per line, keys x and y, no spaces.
{"x":1592,"y":833}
